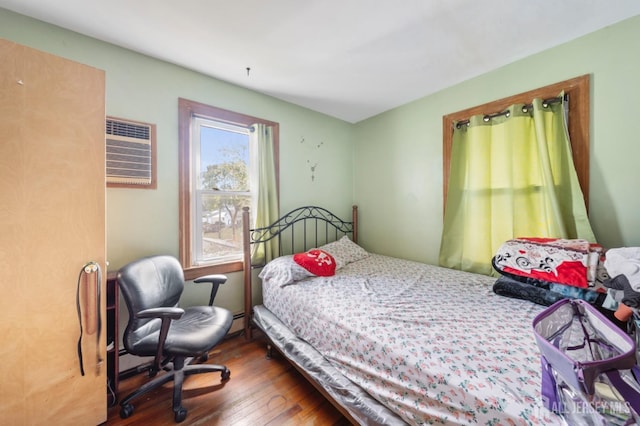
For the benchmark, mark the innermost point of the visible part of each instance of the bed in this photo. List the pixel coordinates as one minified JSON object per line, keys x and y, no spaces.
{"x":390,"y":341}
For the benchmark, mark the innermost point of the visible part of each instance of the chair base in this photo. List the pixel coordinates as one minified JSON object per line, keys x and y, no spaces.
{"x":177,"y":374}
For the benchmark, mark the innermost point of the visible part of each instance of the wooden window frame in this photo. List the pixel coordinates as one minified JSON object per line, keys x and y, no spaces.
{"x":579,"y":123}
{"x":186,"y":110}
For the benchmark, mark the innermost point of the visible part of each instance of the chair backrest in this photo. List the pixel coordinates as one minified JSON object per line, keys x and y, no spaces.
{"x":150,"y":282}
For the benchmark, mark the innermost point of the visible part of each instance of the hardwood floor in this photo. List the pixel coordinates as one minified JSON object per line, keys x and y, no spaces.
{"x":260,"y":392}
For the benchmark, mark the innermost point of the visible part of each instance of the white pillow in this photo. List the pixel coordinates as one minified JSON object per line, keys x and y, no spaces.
{"x":344,"y":251}
{"x":283,"y":270}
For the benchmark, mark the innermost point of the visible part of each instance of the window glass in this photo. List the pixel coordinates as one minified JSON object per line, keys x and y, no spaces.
{"x":221,"y":172}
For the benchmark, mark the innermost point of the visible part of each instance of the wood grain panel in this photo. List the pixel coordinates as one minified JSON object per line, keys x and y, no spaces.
{"x":53,"y":222}
{"x":11,"y":227}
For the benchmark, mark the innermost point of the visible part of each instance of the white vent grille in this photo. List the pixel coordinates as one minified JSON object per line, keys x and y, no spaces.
{"x":129,"y":153}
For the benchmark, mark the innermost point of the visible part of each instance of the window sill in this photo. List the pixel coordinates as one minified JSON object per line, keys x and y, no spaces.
{"x":222,"y":268}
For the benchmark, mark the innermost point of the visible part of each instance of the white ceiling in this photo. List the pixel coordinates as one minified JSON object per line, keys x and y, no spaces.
{"x":350,"y":59}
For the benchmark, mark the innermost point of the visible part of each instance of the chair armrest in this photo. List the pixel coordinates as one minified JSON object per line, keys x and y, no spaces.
{"x":166,"y":315}
{"x":215,"y":281}
{"x":166,"y":312}
{"x":216,"y":278}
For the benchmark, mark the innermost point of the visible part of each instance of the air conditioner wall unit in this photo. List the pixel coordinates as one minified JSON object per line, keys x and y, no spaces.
{"x":130,"y":151}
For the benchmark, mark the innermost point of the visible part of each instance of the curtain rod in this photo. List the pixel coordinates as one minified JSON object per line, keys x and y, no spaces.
{"x":525,"y":108}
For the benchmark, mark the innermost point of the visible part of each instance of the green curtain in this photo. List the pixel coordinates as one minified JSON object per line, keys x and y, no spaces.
{"x":264,"y":210}
{"x":511,"y":176}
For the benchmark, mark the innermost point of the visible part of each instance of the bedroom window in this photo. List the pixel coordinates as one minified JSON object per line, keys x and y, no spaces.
{"x":218,"y":178}
{"x":510,"y":171}
{"x":577,"y":89}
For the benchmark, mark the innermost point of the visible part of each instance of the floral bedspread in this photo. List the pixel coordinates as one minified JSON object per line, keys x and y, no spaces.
{"x":434,"y":345}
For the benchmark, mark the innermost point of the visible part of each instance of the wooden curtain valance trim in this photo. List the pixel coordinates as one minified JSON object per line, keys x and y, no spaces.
{"x":488,"y":117}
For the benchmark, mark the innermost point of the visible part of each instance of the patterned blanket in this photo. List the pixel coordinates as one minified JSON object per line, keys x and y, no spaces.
{"x":434,"y":345}
{"x":572,"y":262}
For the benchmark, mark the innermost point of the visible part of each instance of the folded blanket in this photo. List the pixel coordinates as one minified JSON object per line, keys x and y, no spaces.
{"x":570,"y":262}
{"x":545,"y":294}
{"x":517,"y":290}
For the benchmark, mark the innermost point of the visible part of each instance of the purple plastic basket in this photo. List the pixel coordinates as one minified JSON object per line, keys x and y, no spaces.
{"x":579,"y":343}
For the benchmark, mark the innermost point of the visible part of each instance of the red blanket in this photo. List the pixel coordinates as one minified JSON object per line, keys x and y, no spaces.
{"x":571,"y":262}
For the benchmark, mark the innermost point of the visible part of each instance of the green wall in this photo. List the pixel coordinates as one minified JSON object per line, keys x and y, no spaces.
{"x":398,"y":154}
{"x":143,"y":222}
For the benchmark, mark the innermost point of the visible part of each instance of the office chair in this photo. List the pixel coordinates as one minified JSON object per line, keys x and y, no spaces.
{"x":174,"y":336}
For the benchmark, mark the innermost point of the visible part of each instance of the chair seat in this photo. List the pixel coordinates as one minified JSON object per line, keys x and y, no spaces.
{"x":197,"y":331}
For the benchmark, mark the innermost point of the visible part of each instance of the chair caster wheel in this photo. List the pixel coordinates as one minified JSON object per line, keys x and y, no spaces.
{"x":226,"y":374}
{"x":180,"y":415}
{"x":126,"y":411}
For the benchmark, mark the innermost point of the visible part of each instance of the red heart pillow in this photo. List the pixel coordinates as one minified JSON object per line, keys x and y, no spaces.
{"x":316,"y":261}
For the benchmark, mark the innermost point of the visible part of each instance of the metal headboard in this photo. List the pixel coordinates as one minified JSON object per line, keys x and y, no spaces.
{"x":297,"y":231}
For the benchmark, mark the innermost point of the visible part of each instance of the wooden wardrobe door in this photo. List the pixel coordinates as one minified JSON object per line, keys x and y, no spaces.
{"x":52,"y":222}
